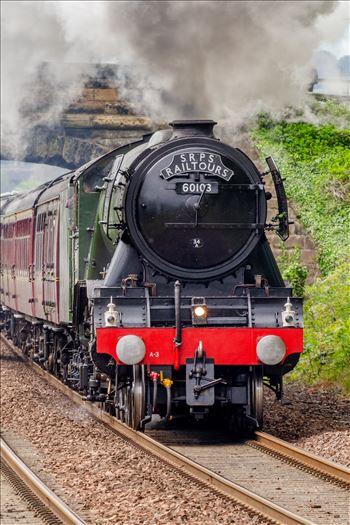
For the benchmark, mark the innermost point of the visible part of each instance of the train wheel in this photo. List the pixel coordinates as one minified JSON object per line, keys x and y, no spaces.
{"x":120,"y":406}
{"x":130,"y":400}
{"x":136,"y":398}
{"x":257,"y":394}
{"x":128,"y":406}
{"x":139,"y":395}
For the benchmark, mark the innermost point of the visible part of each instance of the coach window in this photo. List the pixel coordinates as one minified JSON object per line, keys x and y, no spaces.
{"x":39,"y":237}
{"x":5,"y":254}
{"x":50,"y":239}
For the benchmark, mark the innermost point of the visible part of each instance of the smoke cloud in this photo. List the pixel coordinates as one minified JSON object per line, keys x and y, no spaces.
{"x":192,"y":59}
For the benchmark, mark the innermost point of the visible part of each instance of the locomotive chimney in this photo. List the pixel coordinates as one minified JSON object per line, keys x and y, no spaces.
{"x":192,"y":128}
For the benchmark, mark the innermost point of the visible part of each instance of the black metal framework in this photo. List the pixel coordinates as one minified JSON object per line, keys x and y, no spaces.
{"x":282,"y":217}
{"x":111,"y":181}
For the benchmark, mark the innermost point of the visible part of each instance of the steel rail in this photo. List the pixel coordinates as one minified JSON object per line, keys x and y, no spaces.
{"x":173,"y":458}
{"x":176,"y":460}
{"x":46,"y":496}
{"x":308,"y":459}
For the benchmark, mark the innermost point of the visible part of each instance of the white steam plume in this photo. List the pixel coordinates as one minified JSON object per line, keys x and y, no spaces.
{"x":212,"y":59}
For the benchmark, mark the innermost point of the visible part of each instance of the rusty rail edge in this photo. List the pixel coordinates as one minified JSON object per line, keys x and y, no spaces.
{"x":50,"y":500}
{"x":241,"y":495}
{"x":322,"y":465}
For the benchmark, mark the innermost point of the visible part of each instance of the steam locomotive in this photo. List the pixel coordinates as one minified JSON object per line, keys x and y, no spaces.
{"x":144,"y":279}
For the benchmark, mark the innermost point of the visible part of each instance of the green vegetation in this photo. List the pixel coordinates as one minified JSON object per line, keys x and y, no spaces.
{"x":314,"y":159}
{"x":293,"y":271}
{"x":327,"y":330}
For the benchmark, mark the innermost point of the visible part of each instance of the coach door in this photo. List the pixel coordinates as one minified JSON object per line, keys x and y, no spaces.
{"x":3,"y":276}
{"x":24,"y":292}
{"x":8,"y":263}
{"x":14,"y":258}
{"x":50,"y":263}
{"x":31,"y":267}
{"x":41,"y":214}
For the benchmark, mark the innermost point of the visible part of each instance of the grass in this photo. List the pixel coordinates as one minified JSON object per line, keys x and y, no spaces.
{"x":314,"y":160}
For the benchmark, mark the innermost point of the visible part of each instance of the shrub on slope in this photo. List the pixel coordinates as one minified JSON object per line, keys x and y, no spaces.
{"x":315,"y":163}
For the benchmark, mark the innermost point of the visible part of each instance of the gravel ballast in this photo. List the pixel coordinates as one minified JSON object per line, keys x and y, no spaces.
{"x":109,"y":478}
{"x":117,"y":483}
{"x":316,"y":419}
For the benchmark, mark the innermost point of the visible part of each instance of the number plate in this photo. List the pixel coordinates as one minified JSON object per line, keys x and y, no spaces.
{"x":196,"y":188}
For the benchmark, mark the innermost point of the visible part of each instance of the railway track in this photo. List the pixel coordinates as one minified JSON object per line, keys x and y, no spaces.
{"x":279,"y":448}
{"x":311,"y":490}
{"x":49,"y":508}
